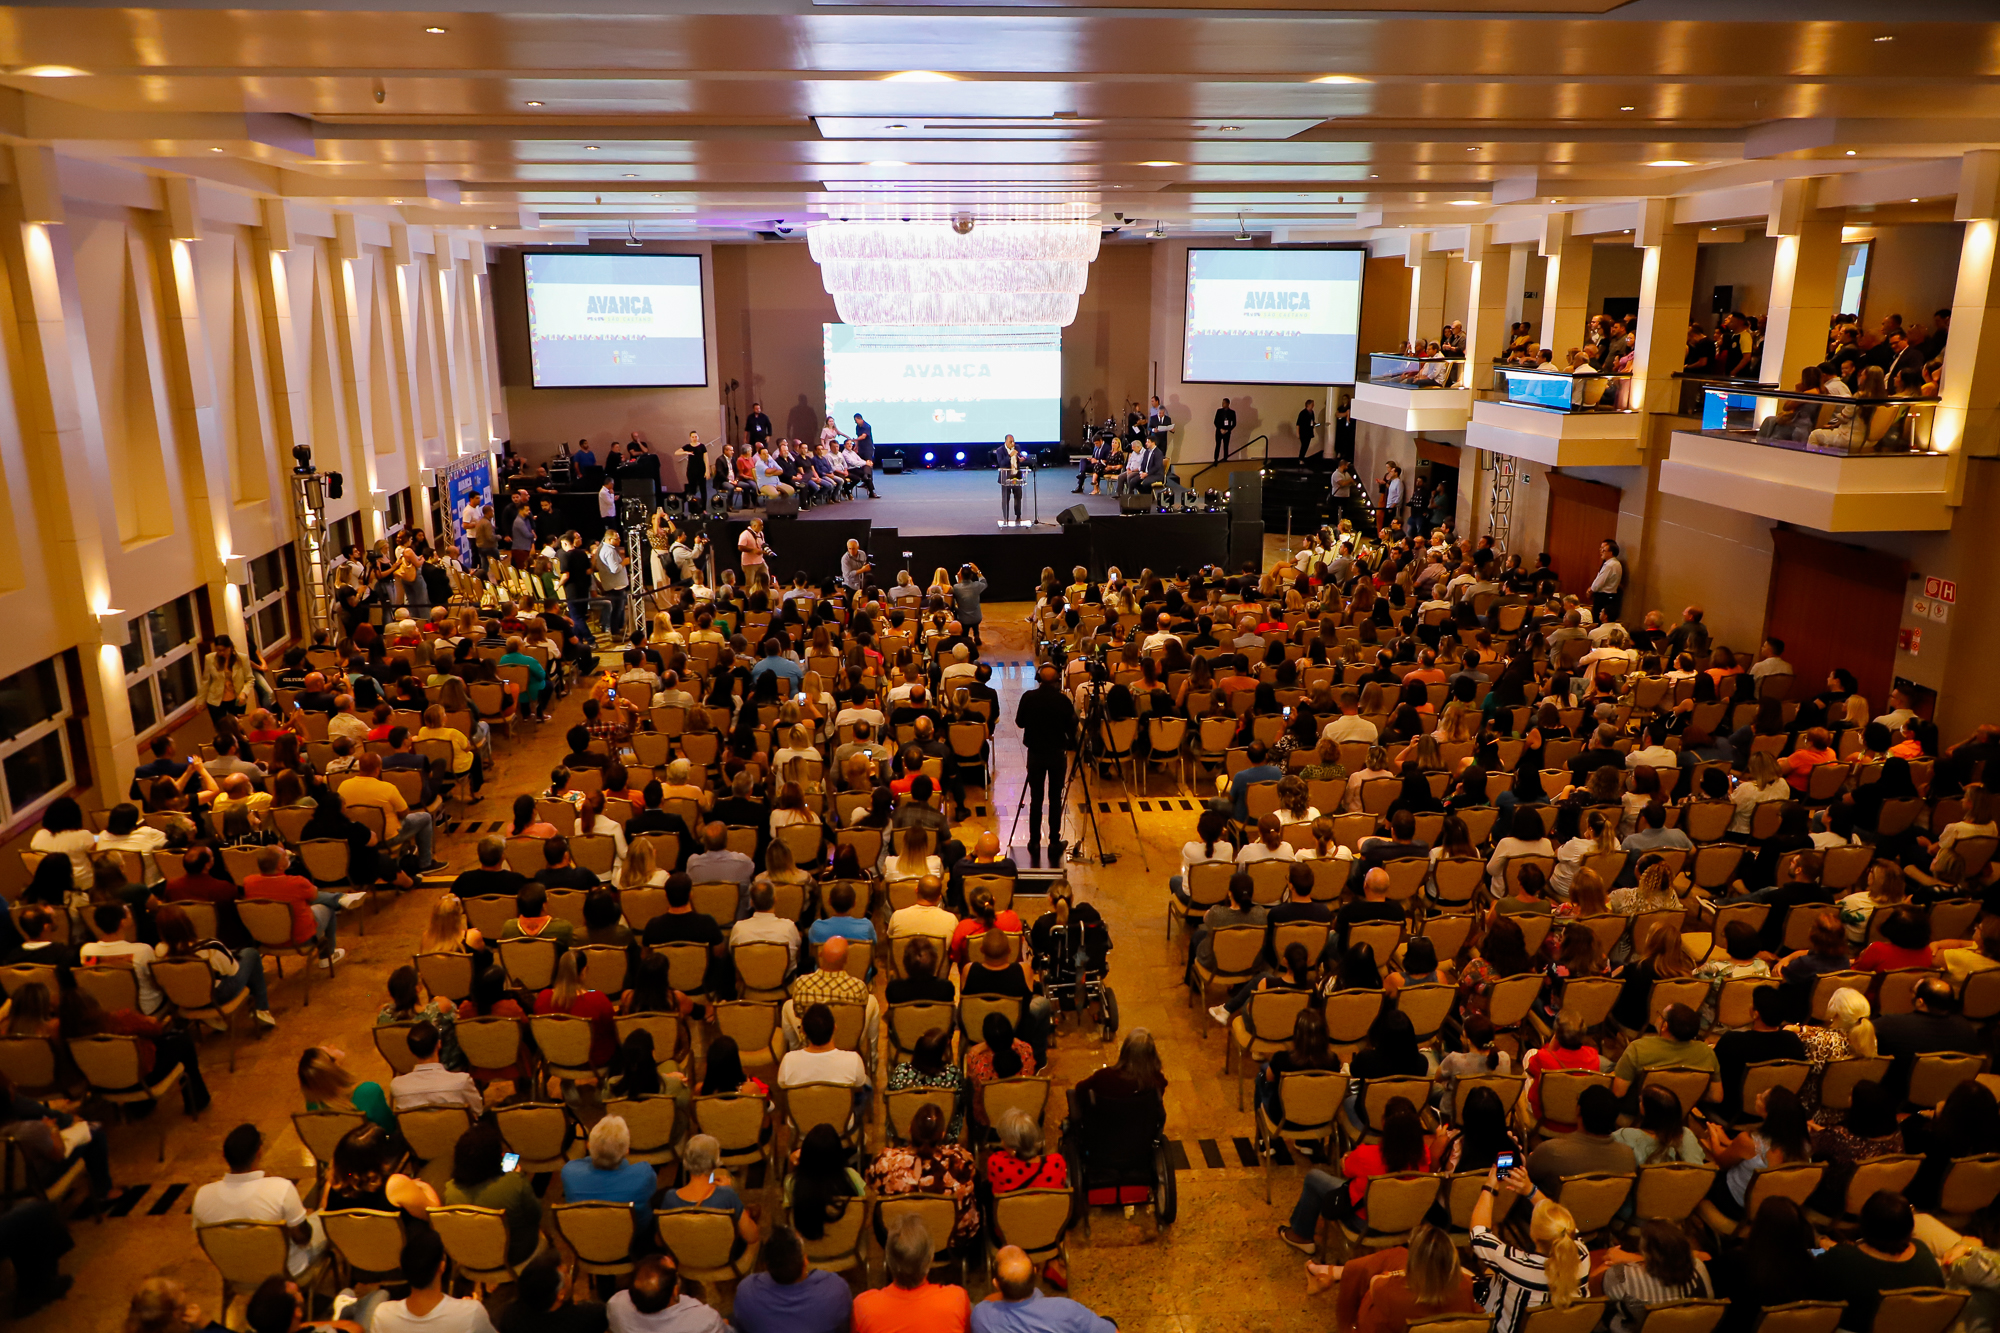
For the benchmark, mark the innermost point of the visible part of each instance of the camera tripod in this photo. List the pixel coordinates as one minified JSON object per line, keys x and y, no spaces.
{"x":1079,"y":775}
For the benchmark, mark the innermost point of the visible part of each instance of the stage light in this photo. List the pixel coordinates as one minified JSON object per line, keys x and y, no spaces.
{"x":958,"y":457}
{"x":929,"y":458}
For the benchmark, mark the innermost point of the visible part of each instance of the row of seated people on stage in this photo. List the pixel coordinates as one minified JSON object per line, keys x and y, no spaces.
{"x":817,"y":473}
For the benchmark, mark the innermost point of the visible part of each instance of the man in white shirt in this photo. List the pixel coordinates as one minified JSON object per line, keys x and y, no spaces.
{"x":429,"y":1083}
{"x":614,"y":579}
{"x":1654,"y":754}
{"x":1770,"y":663}
{"x":655,"y":1303}
{"x":246,"y":1194}
{"x":1899,"y":712}
{"x":926,"y":916}
{"x":607,"y":501}
{"x":819,"y":1060}
{"x":865,"y":711}
{"x":427,"y":1309}
{"x":1607,"y":589}
{"x":345,"y":721}
{"x":960,"y":670}
{"x":1350,"y":725}
{"x":115,"y":932}
{"x":1160,"y":637}
{"x":765,"y":926}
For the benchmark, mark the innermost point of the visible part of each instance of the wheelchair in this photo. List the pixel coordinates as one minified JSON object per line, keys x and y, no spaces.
{"x":1116,"y":1147}
{"x":1071,"y":962}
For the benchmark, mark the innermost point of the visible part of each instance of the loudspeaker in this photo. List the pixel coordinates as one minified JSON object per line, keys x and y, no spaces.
{"x":1246,"y":543}
{"x":1722,"y":301}
{"x":1246,"y":494}
{"x":1135,"y":502}
{"x":781,"y":506}
{"x":891,"y":465}
{"x":1073,"y":515}
{"x":638,"y":488}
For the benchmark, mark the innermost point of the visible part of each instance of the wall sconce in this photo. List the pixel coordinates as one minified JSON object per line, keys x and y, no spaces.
{"x":378,"y":501}
{"x":112,"y":628}
{"x":236,"y":568}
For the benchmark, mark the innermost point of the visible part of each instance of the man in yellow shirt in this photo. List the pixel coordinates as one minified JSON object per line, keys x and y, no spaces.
{"x":401,"y":826}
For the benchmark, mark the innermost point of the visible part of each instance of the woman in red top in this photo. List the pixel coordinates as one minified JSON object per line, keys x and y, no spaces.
{"x":984,"y":918}
{"x":1567,"y":1051}
{"x":160,"y":1047}
{"x":1403,"y":1147}
{"x":567,"y":996}
{"x":1905,"y":943}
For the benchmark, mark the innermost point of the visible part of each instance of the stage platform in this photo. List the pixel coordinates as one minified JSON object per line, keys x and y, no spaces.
{"x":944,"y":503}
{"x":927,"y":520}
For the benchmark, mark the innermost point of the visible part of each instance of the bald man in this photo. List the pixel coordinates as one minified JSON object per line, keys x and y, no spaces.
{"x":1017,"y":1306}
{"x":831,"y":984}
{"x":985,"y":860}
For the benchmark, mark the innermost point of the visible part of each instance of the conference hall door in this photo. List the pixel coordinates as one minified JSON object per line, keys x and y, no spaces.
{"x":1835,"y":605}
{"x":1581,"y":514}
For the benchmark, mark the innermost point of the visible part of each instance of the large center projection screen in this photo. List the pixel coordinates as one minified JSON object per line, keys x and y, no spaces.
{"x":945,"y":385}
{"x":1272,"y":316}
{"x":615,"y":321}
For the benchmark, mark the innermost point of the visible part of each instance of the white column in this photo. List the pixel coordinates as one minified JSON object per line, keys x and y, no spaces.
{"x":1565,"y":287}
{"x":1666,"y":287}
{"x":1805,"y":281}
{"x":1486,"y":305}
{"x":1968,"y":411}
{"x":1427,"y":278}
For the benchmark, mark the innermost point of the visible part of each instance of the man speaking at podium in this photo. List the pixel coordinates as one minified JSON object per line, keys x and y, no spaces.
{"x":1010,"y":463}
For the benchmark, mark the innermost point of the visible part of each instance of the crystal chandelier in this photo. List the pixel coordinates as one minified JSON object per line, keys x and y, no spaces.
{"x":937,"y":271}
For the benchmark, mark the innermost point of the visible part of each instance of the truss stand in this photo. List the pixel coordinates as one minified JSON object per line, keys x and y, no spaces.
{"x":309,"y":512}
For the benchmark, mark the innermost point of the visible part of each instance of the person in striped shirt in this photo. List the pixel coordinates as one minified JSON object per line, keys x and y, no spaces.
{"x":1553,"y":1273}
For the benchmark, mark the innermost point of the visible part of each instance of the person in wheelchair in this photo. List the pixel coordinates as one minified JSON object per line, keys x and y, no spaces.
{"x":1072,"y":949}
{"x":1115,"y":1136}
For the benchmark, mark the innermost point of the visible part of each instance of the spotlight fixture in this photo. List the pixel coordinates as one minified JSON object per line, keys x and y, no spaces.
{"x":1242,"y":232}
{"x":1669,"y":162}
{"x":590,"y":148}
{"x":930,"y":458}
{"x":1850,"y":152}
{"x":1885,"y":39}
{"x":1628,"y":108}
{"x":434,"y":31}
{"x":534,"y":104}
{"x":959,"y":458}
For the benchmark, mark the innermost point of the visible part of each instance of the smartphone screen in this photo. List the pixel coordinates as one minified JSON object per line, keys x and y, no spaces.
{"x":1504,"y":1164}
{"x":800,"y":697}
{"x":612,"y":693}
{"x":510,"y":1161}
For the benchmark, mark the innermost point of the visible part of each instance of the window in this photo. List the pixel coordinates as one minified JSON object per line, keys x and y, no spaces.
{"x":161,"y":678}
{"x":400,"y":512}
{"x":346,"y":535}
{"x":267,"y":602}
{"x":35,"y":763}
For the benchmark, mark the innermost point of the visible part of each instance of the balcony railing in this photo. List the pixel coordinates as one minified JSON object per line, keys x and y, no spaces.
{"x":1560,"y":391}
{"x":1416,"y":372}
{"x":1694,"y":386}
{"x":1819,"y":423}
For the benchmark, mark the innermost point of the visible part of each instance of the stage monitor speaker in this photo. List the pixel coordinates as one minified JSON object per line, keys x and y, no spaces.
{"x":1136,"y":502}
{"x":1246,"y":543}
{"x":781,"y":506}
{"x":1246,"y":494}
{"x":1073,"y":515}
{"x":892,"y":465}
{"x":1722,"y":300}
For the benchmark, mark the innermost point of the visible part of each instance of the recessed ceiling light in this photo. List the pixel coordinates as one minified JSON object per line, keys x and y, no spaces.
{"x":215,"y":150}
{"x":886,"y":163}
{"x":1913,"y":201}
{"x":1885,"y":39}
{"x":1628,"y":231}
{"x":631,"y":175}
{"x":1159,"y":164}
{"x":1374,"y":176}
{"x":534,"y":104}
{"x":434,"y":30}
{"x":1628,"y":108}
{"x":493,"y":226}
{"x":1669,"y":162}
{"x":1850,"y":152}
{"x":1465,"y":203}
{"x":1340,"y":78}
{"x":918,"y":76}
{"x":395,"y":201}
{"x":1228,"y":127}
{"x":50,"y":72}
{"x":590,"y":148}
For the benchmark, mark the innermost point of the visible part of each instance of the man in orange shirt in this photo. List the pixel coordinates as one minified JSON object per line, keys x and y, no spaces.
{"x":401,"y":826}
{"x":1813,"y":748}
{"x":310,"y":916}
{"x":911,"y":1303}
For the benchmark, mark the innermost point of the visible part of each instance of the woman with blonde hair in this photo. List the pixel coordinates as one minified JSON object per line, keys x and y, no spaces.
{"x":1761,"y":782}
{"x":1587,"y":896}
{"x":641,"y":868}
{"x":567,"y":995}
{"x":328,"y":1085}
{"x":1376,"y":765}
{"x":913,"y":859}
{"x":1518,"y":1280}
{"x":1459,"y":724}
{"x":940,"y":584}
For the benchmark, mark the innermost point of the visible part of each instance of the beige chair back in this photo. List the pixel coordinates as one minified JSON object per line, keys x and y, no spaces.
{"x":564,"y":1041}
{"x":1377,"y":1093}
{"x":1935,"y":1075}
{"x":843,"y":1242}
{"x":810,"y":1104}
{"x":1397,"y":1203}
{"x":1687,"y":1085}
{"x":652,"y":1121}
{"x":538,"y":1131}
{"x":446,"y":974}
{"x":1690,"y":1316}
{"x":734,"y":1121}
{"x":600,"y":1233}
{"x":752,"y":1024}
{"x":1970,"y":1185}
{"x":1801,"y":1317}
{"x":492,"y":1042}
{"x":366,"y":1239}
{"x":244,"y":1253}
{"x":113,"y":986}
{"x":1023,"y":1093}
{"x":1594,"y":1199}
{"x":1836,"y":1088}
{"x":602,"y":967}
{"x":1036,"y":1220}
{"x":1236,"y":949}
{"x":1796,"y":1182}
{"x":700,"y":1239}
{"x":1580,"y":1316}
{"x":432,"y":1132}
{"x":1427,"y":1007}
{"x":901,"y":1106}
{"x":1918,"y":1310}
{"x":1670,"y":1191}
{"x":530,"y":962}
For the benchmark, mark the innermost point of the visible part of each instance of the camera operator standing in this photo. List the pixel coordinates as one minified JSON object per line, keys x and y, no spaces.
{"x":1047,"y":720}
{"x":965,"y":595}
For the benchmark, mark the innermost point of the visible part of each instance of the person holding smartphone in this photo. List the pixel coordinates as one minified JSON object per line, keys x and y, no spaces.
{"x":1553,"y":1273}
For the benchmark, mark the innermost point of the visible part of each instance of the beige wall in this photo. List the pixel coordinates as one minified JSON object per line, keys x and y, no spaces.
{"x":1614,"y":272}
{"x":1744,"y":265}
{"x":1912,"y":271}
{"x":539,"y":419}
{"x":1385,"y":307}
{"x":1105,"y":360}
